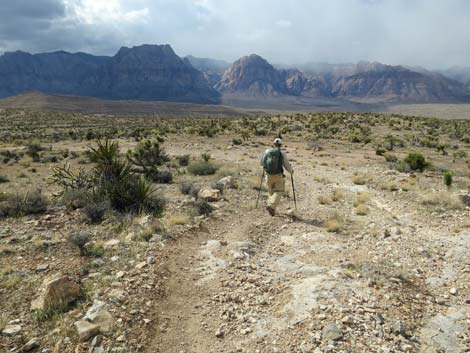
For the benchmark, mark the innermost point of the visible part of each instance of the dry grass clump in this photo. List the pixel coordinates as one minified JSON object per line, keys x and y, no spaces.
{"x":390,"y":186}
{"x":178,"y":220}
{"x":338,"y":195}
{"x":321,"y":179}
{"x":334,"y":224}
{"x":254,"y":182}
{"x":362,"y":197}
{"x":442,"y":199}
{"x":362,"y":210}
{"x":359,"y":180}
{"x":324,"y":200}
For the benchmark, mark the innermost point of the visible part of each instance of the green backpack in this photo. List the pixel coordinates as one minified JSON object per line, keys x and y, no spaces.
{"x":272,"y":161}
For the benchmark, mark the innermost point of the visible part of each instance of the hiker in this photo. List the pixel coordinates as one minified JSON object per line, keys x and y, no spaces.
{"x":274,"y":162}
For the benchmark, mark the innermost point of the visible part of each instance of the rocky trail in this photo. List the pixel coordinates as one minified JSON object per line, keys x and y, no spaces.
{"x":392,"y":281}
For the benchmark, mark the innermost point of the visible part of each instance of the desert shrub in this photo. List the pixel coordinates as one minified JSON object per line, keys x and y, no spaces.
{"x":444,"y":200}
{"x":448,"y":179}
{"x":334,"y":224}
{"x":359,"y":180}
{"x":95,"y":211}
{"x":186,"y":188}
{"x":195,"y":191}
{"x":324,"y":200}
{"x":362,"y":210}
{"x":380,"y":151}
{"x":202,"y":207}
{"x":73,"y":199}
{"x":206,"y":157}
{"x":178,"y":219}
{"x":33,"y":148}
{"x":159,"y":176}
{"x":112,"y":180}
{"x":22,"y":204}
{"x":337,"y":195}
{"x":202,"y":168}
{"x":401,"y":166}
{"x":416,"y":161}
{"x":95,"y":250}
{"x":237,"y":141}
{"x":389,"y":157}
{"x":183,"y":161}
{"x":3,"y":179}
{"x":80,"y":239}
{"x":148,"y":155}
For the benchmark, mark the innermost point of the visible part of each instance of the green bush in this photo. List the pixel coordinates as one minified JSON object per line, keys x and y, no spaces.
{"x":237,"y":141}
{"x":161,"y":177}
{"x":22,"y":204}
{"x":203,"y":207}
{"x":112,"y":180}
{"x":416,"y":161}
{"x":3,"y":179}
{"x":202,"y":168}
{"x":448,"y":179}
{"x":183,"y":161}
{"x":380,"y":151}
{"x":74,"y":199}
{"x":186,"y":188}
{"x":94,"y":212}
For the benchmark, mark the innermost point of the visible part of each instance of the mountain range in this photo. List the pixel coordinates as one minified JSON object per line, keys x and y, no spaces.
{"x":156,"y":73}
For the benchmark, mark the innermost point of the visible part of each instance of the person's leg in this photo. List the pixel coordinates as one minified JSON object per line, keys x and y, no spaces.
{"x":277,"y":191}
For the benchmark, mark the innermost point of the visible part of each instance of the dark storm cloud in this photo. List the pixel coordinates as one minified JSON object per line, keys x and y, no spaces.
{"x":431,"y":33}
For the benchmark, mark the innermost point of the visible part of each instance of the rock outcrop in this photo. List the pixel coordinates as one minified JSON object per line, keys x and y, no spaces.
{"x":147,"y":72}
{"x":57,"y":292}
{"x":254,"y":76}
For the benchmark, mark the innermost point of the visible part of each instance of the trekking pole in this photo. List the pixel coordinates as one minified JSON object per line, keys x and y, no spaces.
{"x":259,"y":190}
{"x":293,"y":190}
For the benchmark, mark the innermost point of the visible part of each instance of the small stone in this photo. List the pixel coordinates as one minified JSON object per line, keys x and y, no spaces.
{"x":454,"y":291}
{"x":219,"y":333}
{"x":111,"y":243}
{"x":96,"y":341}
{"x":332,"y":332}
{"x":151,"y":260}
{"x":86,"y":330}
{"x":306,"y":347}
{"x":120,"y":274}
{"x":42,"y":267}
{"x":99,"y":315}
{"x":33,"y":343}
{"x":398,"y":328}
{"x":141,"y":265}
{"x":348,"y":320}
{"x":210,"y":195}
{"x":11,"y":330}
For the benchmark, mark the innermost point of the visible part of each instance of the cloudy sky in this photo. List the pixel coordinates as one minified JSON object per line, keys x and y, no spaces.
{"x":430,"y":33}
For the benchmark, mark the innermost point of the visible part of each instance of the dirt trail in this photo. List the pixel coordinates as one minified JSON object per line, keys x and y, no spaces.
{"x":259,"y":284}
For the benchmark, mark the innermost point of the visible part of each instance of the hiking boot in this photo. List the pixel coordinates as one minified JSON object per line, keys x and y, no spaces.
{"x":270,"y":211}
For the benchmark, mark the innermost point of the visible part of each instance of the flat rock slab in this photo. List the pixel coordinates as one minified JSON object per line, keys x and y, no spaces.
{"x":11,"y":330}
{"x":442,"y":331}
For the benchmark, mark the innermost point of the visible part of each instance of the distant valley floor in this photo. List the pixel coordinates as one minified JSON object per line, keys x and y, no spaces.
{"x":232,"y":106}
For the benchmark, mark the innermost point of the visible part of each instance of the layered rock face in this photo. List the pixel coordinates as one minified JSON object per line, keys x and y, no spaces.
{"x":147,"y":72}
{"x":254,"y":76}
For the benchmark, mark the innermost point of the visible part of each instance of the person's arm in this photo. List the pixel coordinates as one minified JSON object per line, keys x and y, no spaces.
{"x":286,"y":164}
{"x":261,"y":162}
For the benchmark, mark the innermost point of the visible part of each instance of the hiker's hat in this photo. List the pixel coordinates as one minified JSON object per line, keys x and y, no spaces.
{"x":278,"y":141}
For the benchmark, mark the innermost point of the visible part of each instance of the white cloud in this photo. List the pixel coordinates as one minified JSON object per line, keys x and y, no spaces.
{"x":284,"y":23}
{"x":94,"y":12}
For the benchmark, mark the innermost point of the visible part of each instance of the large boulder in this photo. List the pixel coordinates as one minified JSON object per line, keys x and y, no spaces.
{"x":210,"y":195}
{"x":57,"y":293}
